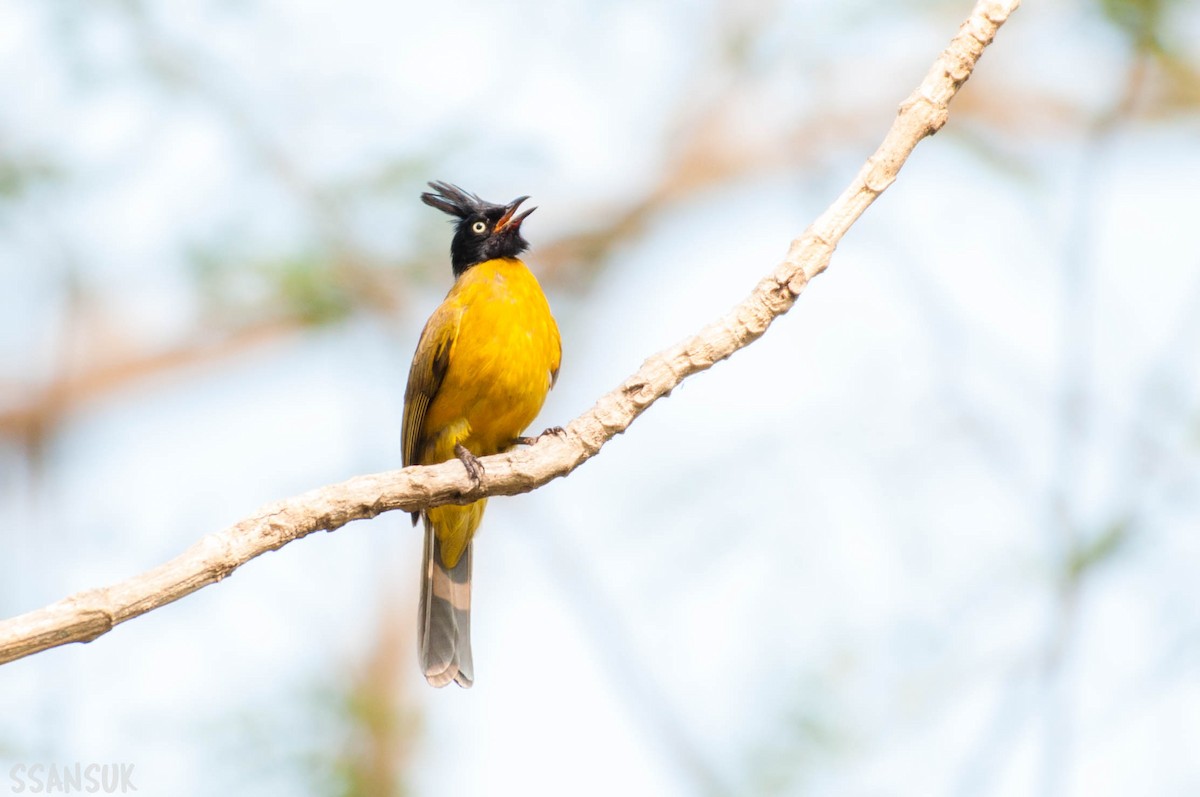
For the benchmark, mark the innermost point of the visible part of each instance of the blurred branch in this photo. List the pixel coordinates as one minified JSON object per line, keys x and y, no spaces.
{"x":376,"y":716}
{"x":1078,"y":549}
{"x":1076,"y":556}
{"x":30,"y":419}
{"x":87,"y":615}
{"x":640,"y":685}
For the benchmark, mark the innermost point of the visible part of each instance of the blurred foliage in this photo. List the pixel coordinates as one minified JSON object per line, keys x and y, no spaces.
{"x":365,"y":766}
{"x":1088,"y":554}
{"x":22,"y":172}
{"x":807,"y":729}
{"x":342,"y":735}
{"x":369,"y":723}
{"x":309,"y":288}
{"x":1149,"y":27}
{"x":804,"y":738}
{"x":1182,"y":91}
{"x":1140,"y":20}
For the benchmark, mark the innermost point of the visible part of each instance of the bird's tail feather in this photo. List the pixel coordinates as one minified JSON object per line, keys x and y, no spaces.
{"x":444,"y":622}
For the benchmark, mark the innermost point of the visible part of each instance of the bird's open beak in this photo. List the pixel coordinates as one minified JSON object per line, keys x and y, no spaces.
{"x":510,"y":217}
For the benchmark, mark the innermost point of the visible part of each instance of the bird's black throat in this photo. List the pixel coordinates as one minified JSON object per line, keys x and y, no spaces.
{"x":470,"y":249}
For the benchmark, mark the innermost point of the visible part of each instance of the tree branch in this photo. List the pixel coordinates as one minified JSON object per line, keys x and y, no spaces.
{"x":86,"y":615}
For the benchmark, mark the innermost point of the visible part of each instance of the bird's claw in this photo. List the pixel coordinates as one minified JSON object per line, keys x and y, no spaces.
{"x":557,"y":431}
{"x":470,"y":462}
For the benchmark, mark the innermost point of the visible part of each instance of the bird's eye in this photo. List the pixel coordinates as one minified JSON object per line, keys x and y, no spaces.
{"x":479,"y":228}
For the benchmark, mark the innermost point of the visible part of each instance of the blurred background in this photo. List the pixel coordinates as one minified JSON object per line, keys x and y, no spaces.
{"x":935,"y":534}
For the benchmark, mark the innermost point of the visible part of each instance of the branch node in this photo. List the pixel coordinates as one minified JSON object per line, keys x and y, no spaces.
{"x":634,"y":387}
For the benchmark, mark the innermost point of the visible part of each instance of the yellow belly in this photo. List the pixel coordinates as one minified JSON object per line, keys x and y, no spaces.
{"x":499,"y":372}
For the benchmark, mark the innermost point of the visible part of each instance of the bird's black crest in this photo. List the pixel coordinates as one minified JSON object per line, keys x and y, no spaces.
{"x":455,"y":201}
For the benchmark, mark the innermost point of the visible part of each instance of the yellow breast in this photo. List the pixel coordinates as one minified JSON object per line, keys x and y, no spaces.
{"x":502,"y":363}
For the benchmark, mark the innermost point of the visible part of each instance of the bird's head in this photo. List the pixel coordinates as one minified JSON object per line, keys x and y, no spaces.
{"x":484,"y":231}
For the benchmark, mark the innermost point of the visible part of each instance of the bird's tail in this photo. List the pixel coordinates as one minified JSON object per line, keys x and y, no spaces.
{"x":444,"y":623}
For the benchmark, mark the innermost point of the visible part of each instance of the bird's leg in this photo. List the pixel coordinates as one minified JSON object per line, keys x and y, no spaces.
{"x":557,"y":431}
{"x":470,"y":462}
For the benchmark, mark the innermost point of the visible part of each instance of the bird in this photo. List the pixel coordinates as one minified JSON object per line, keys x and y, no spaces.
{"x":486,"y":359}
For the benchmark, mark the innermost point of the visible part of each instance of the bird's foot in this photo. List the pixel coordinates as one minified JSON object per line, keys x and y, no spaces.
{"x":470,"y":462}
{"x":557,"y":431}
